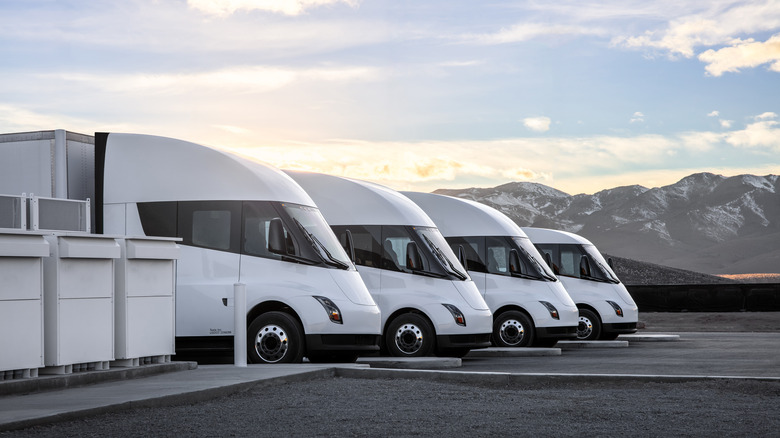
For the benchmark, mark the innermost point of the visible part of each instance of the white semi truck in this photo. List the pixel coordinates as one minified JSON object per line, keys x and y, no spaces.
{"x":530,"y":306}
{"x":240,"y":221}
{"x":429,"y":304}
{"x":606,"y":308}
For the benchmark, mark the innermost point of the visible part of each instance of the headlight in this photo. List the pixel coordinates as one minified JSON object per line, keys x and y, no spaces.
{"x":618,"y":310}
{"x":333,"y":311}
{"x":457,"y":314}
{"x":550,"y":308}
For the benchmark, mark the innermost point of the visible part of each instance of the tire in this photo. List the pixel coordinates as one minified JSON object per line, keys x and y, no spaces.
{"x":333,"y":357}
{"x":609,"y":336}
{"x":589,"y":327}
{"x":410,"y":335}
{"x":453,"y":352}
{"x":275,"y":337}
{"x":513,"y":329}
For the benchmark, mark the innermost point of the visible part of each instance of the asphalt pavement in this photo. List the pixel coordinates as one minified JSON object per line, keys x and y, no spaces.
{"x":747,"y":358}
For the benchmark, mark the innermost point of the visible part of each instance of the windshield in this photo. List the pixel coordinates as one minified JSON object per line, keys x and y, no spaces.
{"x":441,"y":250}
{"x":532,"y":260}
{"x":599,"y":268}
{"x":319,"y":234}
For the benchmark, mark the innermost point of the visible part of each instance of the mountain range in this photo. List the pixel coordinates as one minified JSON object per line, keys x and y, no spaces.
{"x":705,"y":222}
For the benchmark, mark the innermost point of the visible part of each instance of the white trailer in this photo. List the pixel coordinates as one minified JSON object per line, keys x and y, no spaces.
{"x":530,"y":306}
{"x":606,"y":308}
{"x":429,"y":304}
{"x":240,"y":221}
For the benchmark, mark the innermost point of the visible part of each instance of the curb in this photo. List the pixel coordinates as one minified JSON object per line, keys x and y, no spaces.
{"x":514,"y":352}
{"x":573,"y":345}
{"x":52,"y":382}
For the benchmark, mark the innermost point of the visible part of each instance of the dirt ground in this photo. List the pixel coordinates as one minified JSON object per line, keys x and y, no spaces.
{"x":709,"y":322}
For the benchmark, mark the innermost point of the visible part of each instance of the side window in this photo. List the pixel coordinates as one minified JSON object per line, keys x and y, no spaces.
{"x":158,"y":218}
{"x":366,"y":242}
{"x":551,"y":251}
{"x":570,"y":260}
{"x":210,"y":224}
{"x":257,"y":218}
{"x":497,"y":255}
{"x":474,"y":247}
{"x":394,"y":243}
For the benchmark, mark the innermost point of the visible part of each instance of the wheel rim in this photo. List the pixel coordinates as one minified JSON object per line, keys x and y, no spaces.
{"x":511,"y":332}
{"x":584,"y":328}
{"x":271,"y":343}
{"x":409,"y":338}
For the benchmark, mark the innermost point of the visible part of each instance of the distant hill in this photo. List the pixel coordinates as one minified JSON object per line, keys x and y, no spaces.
{"x":633,"y":272}
{"x":704,"y":223}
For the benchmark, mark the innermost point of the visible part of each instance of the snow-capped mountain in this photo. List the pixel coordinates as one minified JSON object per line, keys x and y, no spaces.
{"x":704,"y":222}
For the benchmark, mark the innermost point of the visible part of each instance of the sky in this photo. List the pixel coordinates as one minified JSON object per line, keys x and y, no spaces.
{"x":417,"y":95}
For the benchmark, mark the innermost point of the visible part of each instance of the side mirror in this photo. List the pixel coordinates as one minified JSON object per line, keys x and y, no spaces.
{"x":514,"y":263}
{"x":350,"y":246}
{"x":462,"y":257}
{"x":609,"y":262}
{"x":584,"y":267}
{"x":413,"y":258}
{"x":548,"y":260}
{"x":276,"y":242}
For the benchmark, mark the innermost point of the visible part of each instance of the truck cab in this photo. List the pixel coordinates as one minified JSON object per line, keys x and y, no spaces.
{"x":429,"y":303}
{"x":605,"y":306}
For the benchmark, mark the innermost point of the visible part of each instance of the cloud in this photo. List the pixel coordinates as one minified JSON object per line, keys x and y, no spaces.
{"x":528,"y":31}
{"x":759,"y":135}
{"x":719,"y":27}
{"x":713,"y":114}
{"x":244,"y":80}
{"x":224,"y":8}
{"x":725,"y":123}
{"x":637,"y":117}
{"x":537,"y":124}
{"x":743,"y":54}
{"x":766,"y":116}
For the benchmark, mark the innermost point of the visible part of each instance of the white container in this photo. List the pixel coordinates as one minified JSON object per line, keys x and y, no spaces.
{"x":21,"y":308}
{"x":145,"y":300}
{"x":79,"y":302}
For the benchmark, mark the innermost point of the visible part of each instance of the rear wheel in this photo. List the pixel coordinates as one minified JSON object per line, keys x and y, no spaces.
{"x":409,"y":335}
{"x":589,"y":327}
{"x":275,"y":337}
{"x":512,"y":329}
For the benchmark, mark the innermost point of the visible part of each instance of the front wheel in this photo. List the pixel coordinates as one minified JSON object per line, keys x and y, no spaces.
{"x":512,"y":329}
{"x":275,"y":337}
{"x":409,"y":335}
{"x":589,"y":327}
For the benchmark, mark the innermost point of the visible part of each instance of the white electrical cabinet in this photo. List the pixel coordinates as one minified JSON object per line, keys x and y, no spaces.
{"x":145,"y":300}
{"x":79,"y":302}
{"x":21,"y":307}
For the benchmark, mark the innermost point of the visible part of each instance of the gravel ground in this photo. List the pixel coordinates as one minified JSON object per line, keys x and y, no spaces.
{"x":402,"y":407}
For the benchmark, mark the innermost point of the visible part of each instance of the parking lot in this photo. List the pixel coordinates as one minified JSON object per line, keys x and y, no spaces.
{"x":676,"y":388}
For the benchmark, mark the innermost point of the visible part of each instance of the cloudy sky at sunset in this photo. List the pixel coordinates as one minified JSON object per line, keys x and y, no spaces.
{"x":418,"y":95}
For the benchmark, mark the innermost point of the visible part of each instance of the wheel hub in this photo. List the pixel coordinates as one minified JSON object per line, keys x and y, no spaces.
{"x":271,"y":343}
{"x":409,"y":338}
{"x":584,"y":328}
{"x":512,"y":332}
